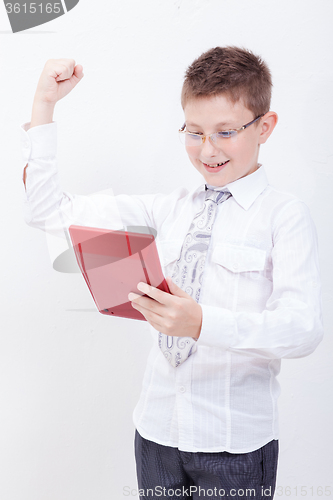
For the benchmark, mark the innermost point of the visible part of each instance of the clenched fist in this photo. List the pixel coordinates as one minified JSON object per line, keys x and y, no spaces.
{"x":58,"y":78}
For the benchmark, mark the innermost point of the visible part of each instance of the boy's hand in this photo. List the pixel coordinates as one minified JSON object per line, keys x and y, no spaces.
{"x":175,"y":314}
{"x":58,"y":78}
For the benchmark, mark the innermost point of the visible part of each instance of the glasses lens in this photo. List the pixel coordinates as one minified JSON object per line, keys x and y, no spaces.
{"x":191,"y":140}
{"x":220,"y":137}
{"x":182,"y":137}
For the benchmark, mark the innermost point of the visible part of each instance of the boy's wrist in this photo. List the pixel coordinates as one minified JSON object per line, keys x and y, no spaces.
{"x":42,"y":113}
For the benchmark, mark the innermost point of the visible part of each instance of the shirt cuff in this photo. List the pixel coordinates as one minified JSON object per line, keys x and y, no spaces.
{"x":38,"y":142}
{"x":218,"y":327}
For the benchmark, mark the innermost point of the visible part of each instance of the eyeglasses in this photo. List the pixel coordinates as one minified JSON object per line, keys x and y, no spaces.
{"x":218,"y":138}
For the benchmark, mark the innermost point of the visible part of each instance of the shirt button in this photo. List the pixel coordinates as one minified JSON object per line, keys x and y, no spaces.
{"x":235,"y":266}
{"x":314,"y":284}
{"x":181,"y":388}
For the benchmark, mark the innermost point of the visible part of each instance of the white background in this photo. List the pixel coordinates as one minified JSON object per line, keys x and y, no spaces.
{"x":69,"y":377}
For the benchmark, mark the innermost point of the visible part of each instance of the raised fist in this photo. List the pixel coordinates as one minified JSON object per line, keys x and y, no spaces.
{"x":58,"y":78}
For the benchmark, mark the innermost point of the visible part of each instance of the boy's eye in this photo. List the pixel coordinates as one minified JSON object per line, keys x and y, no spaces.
{"x":225,"y":133}
{"x":194,"y":137}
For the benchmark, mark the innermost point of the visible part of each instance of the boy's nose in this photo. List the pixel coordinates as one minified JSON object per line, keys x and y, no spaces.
{"x":208,"y":147}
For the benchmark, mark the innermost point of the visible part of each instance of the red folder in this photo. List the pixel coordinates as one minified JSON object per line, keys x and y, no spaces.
{"x":113,"y":263}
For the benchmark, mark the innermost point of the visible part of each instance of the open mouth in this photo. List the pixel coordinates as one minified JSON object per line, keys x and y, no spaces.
{"x":215,"y":165}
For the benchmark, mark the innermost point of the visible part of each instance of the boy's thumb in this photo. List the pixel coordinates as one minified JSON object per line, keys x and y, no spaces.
{"x":78,"y":71}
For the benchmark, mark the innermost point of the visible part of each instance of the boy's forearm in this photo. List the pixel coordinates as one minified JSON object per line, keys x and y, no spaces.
{"x":42,"y":113}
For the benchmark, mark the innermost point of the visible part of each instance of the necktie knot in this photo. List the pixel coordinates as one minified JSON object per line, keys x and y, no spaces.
{"x":217,"y":196}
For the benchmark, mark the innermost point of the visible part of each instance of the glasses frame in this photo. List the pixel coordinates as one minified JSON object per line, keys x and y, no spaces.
{"x":211,"y":136}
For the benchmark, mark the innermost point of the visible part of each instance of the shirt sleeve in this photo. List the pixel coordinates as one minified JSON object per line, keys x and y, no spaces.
{"x":290,"y":326}
{"x":49,"y":208}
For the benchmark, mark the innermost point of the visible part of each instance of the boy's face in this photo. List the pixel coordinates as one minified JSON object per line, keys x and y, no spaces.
{"x":208,"y":115}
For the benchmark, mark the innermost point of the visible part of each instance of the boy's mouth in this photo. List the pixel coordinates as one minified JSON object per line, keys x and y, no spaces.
{"x":215,"y":166}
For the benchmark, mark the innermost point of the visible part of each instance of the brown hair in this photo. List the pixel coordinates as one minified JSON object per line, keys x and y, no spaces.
{"x":233,"y":71}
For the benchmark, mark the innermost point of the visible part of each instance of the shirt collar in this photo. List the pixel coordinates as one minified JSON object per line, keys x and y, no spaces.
{"x":247,"y":189}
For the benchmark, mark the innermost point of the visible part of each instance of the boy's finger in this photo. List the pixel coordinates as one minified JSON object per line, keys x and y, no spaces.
{"x":155,"y":293}
{"x":149,"y":308}
{"x":63,"y":72}
{"x":60,"y":69}
{"x":147,"y":303}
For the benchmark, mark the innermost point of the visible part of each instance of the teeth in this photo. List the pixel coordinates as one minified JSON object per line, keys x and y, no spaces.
{"x":218,"y":164}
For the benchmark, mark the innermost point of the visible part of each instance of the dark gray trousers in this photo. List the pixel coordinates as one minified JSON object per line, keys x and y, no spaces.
{"x":165,"y":472}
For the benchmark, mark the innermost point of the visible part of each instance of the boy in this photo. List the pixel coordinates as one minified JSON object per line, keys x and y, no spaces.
{"x":244,"y":264}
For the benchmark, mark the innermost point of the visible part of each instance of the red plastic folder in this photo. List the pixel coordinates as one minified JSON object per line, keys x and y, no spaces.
{"x":113,"y":263}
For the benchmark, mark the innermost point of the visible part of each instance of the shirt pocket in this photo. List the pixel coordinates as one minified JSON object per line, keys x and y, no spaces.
{"x":239,"y":259}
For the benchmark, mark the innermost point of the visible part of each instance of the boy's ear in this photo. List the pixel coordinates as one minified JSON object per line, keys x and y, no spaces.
{"x":269,"y":120}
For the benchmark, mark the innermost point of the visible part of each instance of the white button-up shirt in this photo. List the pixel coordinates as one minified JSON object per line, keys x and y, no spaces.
{"x":260,"y":299}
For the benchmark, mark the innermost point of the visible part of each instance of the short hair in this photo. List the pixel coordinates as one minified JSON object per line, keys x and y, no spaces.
{"x":233,"y":71}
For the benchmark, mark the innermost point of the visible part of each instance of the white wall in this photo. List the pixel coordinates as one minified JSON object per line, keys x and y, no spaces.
{"x":69,"y":378}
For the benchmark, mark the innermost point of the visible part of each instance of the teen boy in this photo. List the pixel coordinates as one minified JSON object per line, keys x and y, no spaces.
{"x":245,"y":258}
